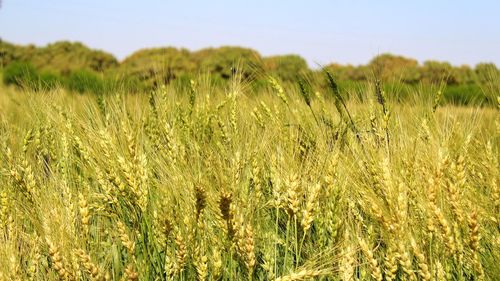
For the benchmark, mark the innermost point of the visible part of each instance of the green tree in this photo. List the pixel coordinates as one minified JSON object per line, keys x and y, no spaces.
{"x":64,"y":57}
{"x":485,"y":72}
{"x":388,"y":66}
{"x":222,"y":62}
{"x":60,"y":57}
{"x":10,"y":53}
{"x":285,"y":67}
{"x":437,"y":72}
{"x":158,"y":65}
{"x":348,"y":72}
{"x":463,"y":74}
{"x":488,"y":77}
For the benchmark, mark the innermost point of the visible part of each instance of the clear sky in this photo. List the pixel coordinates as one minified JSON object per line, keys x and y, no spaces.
{"x":458,"y":31}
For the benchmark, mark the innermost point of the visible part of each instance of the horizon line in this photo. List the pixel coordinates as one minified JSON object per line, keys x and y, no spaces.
{"x":310,"y":64}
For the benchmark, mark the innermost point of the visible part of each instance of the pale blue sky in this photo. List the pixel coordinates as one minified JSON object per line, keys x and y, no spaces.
{"x":352,"y":31}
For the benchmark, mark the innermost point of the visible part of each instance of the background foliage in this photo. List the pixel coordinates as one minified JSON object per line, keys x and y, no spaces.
{"x":79,"y":68}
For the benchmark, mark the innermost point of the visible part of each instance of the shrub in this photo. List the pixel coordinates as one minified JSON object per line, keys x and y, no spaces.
{"x":48,"y":81}
{"x":286,"y":67}
{"x":464,"y":94}
{"x":224,"y":62}
{"x":388,"y":67}
{"x":20,"y":74}
{"x":83,"y":81}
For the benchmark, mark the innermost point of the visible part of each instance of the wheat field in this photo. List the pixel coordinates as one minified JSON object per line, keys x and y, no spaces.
{"x":198,"y":183}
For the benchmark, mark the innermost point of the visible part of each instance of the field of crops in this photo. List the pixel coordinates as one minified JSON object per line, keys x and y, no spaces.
{"x":195,"y":183}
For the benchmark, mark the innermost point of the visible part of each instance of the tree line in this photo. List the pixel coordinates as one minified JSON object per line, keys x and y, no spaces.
{"x":79,"y":68}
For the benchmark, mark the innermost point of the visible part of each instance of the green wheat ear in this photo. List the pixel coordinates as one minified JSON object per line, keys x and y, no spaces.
{"x":379,"y":93}
{"x":305,"y":93}
{"x":336,"y":93}
{"x":192,"y":95}
{"x":333,"y":85}
{"x":437,"y":100}
{"x":101,"y":103}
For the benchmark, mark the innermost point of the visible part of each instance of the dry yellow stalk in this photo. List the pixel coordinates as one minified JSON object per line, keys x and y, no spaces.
{"x":474,"y":231}
{"x":130,"y":273}
{"x":304,"y":274}
{"x":91,"y":268}
{"x":180,"y":254}
{"x":58,"y":262}
{"x":292,"y":184}
{"x":347,"y":261}
{"x":391,"y":263}
{"x":84,"y":213}
{"x":248,"y":248}
{"x":308,"y":214}
{"x":446,"y":230}
{"x":474,"y":244}
{"x":4,"y":209}
{"x":405,"y":261}
{"x":201,"y":265}
{"x":372,"y":261}
{"x":423,"y":267}
{"x":125,"y":238}
{"x":216,"y":264}
{"x":455,"y":202}
{"x":279,"y":90}
{"x":440,"y":272}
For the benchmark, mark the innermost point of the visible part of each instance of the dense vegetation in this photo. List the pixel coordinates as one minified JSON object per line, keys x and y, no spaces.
{"x":192,"y":182}
{"x":76,"y":67}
